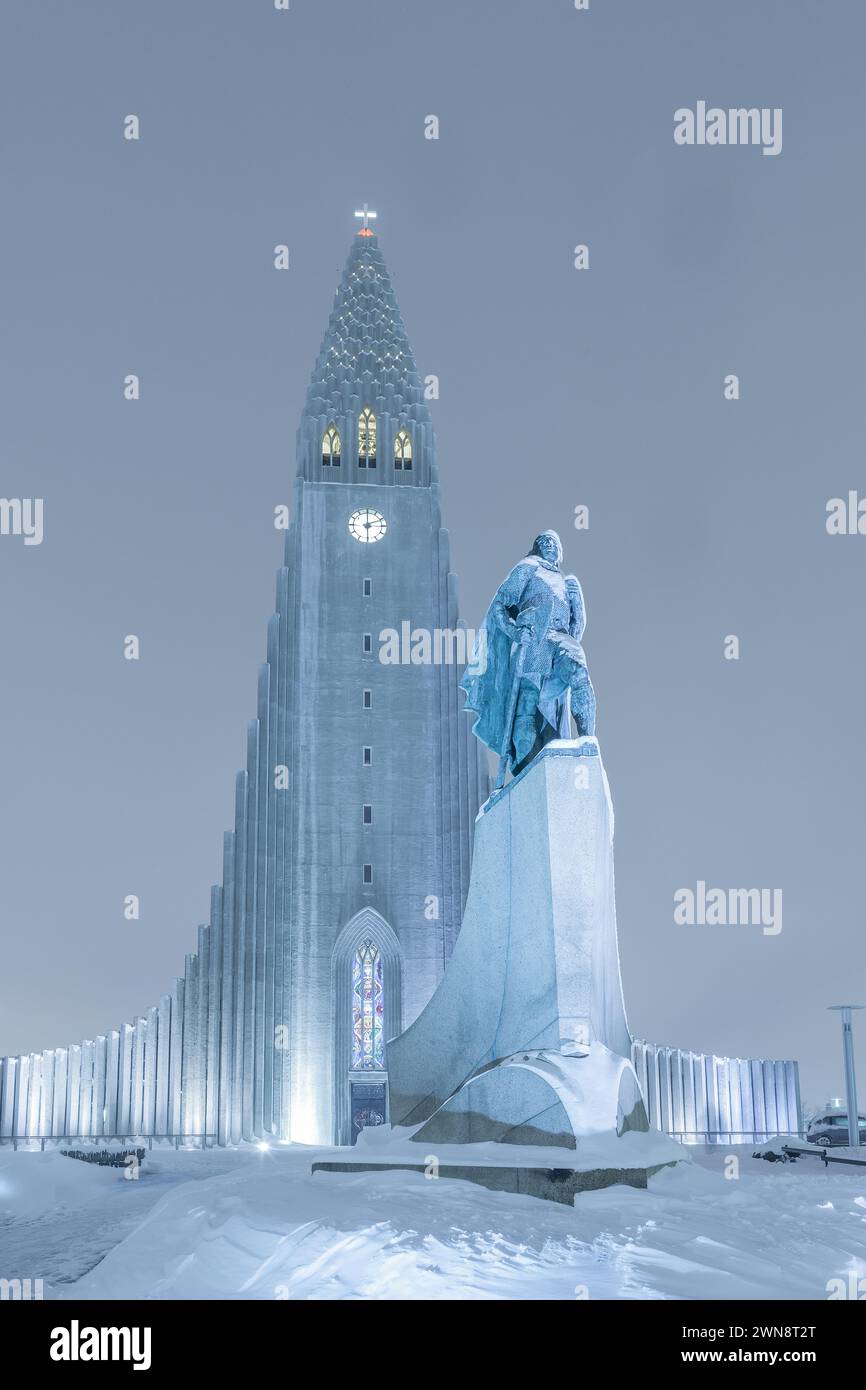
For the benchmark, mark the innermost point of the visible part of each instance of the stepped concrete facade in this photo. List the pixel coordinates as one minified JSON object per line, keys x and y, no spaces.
{"x":353,"y":816}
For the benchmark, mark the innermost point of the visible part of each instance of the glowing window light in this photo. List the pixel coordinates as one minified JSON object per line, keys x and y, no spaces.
{"x":331,"y":447}
{"x":368,"y":1037}
{"x":403,"y":451}
{"x":366,"y":438}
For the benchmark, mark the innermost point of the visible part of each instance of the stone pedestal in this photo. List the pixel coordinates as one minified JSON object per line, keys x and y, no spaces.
{"x":536,"y":965}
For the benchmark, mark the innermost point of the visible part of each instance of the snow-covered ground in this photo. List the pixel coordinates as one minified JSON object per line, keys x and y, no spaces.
{"x":250,"y":1224}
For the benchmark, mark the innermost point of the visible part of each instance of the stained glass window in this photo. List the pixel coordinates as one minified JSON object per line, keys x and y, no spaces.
{"x":366,"y":438}
{"x":368,"y":1040}
{"x":331,"y":447}
{"x":403,"y":450}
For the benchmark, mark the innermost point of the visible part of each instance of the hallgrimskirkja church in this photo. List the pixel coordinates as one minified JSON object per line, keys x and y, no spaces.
{"x":346,"y":873}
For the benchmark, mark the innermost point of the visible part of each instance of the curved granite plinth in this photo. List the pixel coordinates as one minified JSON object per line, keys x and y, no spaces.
{"x":542,"y":1098}
{"x":543,"y":1123}
{"x":536,"y":964}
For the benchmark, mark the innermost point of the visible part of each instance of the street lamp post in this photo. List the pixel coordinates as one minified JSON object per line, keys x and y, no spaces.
{"x":846,"y":1011}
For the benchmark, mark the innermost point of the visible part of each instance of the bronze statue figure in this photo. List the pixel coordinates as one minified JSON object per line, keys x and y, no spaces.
{"x":534,"y":677}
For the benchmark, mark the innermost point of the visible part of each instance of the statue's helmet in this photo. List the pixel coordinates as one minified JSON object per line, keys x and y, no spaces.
{"x":548,"y":546}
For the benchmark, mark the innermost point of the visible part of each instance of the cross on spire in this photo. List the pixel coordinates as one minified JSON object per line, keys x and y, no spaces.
{"x":366,"y":213}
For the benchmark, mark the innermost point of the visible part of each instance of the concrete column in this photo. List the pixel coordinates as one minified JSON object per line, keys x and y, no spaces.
{"x":214,"y":994}
{"x":702,"y":1112}
{"x":227,"y":994}
{"x":737,"y":1123}
{"x":189,"y":1078}
{"x":151,"y":1052}
{"x":792,"y":1082}
{"x":97,"y":1096}
{"x":22,"y":1095}
{"x":283,"y":869}
{"x":449,"y":762}
{"x":721,"y":1071}
{"x":747,"y":1100}
{"x":757,"y":1072}
{"x":638,"y":1061}
{"x":112,"y":1080}
{"x":712,"y":1084}
{"x":678,"y":1104}
{"x":240,"y":955}
{"x":58,"y":1115}
{"x":263,"y":1058}
{"x":176,"y":1058}
{"x":124,"y":1079}
{"x":787,"y":1124}
{"x":34,"y":1095}
{"x":46,"y":1096}
{"x":85,"y":1093}
{"x":73,"y":1089}
{"x":136,"y":1100}
{"x":204,"y":949}
{"x":666,"y":1059}
{"x":690,"y":1116}
{"x":657,"y":1084}
{"x":769,"y":1072}
{"x":267,"y":886}
{"x":163,"y":1066}
{"x":251,"y":945}
{"x":8,"y":1078}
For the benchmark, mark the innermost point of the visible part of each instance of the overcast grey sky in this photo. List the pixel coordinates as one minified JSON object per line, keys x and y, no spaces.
{"x":558,"y":387}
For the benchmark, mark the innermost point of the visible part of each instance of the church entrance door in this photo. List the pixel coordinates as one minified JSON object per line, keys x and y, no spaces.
{"x":368,"y":1106}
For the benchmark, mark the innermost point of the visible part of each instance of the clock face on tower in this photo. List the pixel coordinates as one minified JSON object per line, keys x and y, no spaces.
{"x":367,"y":525}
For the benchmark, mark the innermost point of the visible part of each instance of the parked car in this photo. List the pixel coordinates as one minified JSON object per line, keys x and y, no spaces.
{"x":833,"y":1129}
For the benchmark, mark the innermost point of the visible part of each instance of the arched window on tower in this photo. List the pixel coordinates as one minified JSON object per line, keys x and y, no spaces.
{"x":331,"y":447}
{"x":403,"y":451}
{"x":368,"y":998}
{"x":366,"y":438}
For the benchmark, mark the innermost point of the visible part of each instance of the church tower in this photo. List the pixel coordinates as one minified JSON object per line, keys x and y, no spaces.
{"x":384,"y":775}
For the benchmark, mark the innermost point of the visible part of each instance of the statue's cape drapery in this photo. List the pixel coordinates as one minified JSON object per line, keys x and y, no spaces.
{"x":537,"y":591}
{"x":488,"y":690}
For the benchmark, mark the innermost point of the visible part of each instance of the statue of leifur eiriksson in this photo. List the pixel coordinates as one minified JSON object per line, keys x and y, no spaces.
{"x":530,"y":673}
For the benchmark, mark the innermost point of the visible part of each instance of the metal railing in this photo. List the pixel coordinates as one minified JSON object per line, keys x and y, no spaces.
{"x":731,"y":1136}
{"x":178,"y":1141}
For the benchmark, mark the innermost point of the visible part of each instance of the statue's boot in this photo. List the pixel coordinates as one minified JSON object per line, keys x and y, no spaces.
{"x":524,"y":736}
{"x":583,"y":702}
{"x":531,"y":730}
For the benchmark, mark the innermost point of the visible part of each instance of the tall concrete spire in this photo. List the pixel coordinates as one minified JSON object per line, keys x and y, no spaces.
{"x":366,"y":360}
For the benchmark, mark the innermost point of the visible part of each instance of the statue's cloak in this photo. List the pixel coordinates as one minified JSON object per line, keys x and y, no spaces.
{"x":535,"y":595}
{"x":487,"y":683}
